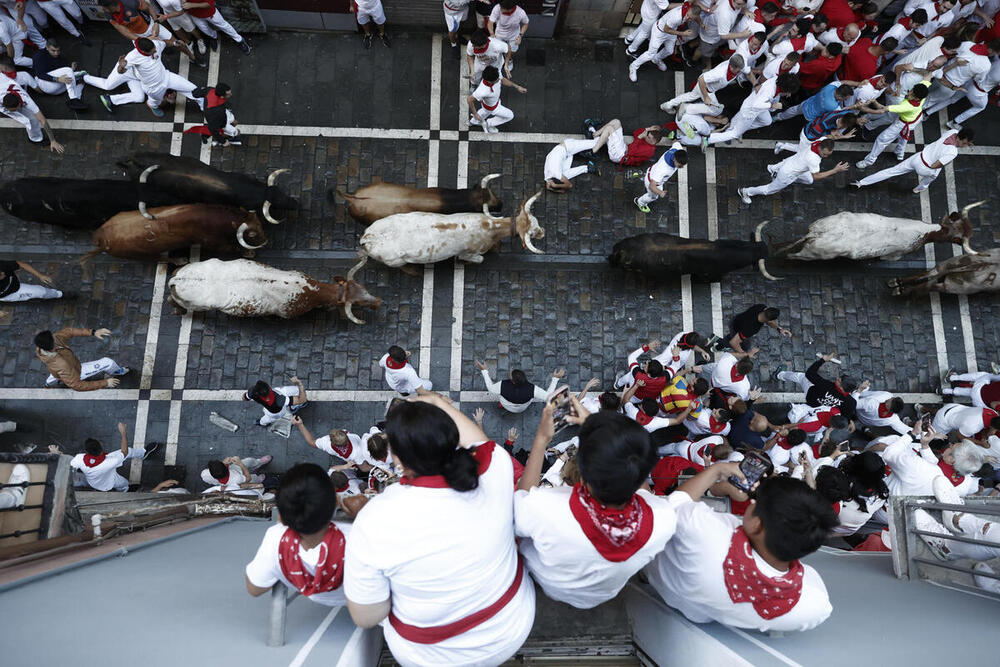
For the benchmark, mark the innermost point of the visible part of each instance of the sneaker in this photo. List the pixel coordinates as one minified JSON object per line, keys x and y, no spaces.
{"x":742,"y":192}
{"x":687,"y":129}
{"x":589,"y":128}
{"x":777,"y":148}
{"x":200,"y":45}
{"x":592,"y":168}
{"x":368,"y":41}
{"x":952,"y":125}
{"x":124,"y":371}
{"x":632,"y":76}
{"x":856,"y":184}
{"x":474,"y":121}
{"x":945,"y":377}
{"x":79,"y":75}
{"x":917,"y":190}
{"x":151,"y":449}
{"x":628,"y":40}
{"x":156,"y":111}
{"x":641,"y":207}
{"x":666,"y":108}
{"x":772,"y":169}
{"x":995,"y":367}
{"x":387,"y":42}
{"x":19,"y":475}
{"x":925,"y":522}
{"x":671,"y":135}
{"x":780,"y":369}
{"x":662,"y":65}
{"x":631,"y":54}
{"x":213,"y":43}
{"x":900,"y":157}
{"x":491,"y":129}
{"x":244,"y":46}
{"x":862,"y":164}
{"x":704,"y":144}
{"x":108,"y":104}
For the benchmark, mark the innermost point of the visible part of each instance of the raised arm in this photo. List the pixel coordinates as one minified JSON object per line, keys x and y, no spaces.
{"x":469,"y":433}
{"x":310,"y":440}
{"x":543,"y":436}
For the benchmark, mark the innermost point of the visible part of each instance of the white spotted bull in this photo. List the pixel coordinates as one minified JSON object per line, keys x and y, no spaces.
{"x":965,"y":274}
{"x":244,"y":288}
{"x":424,"y":238}
{"x":380,"y":200}
{"x":867,"y":236}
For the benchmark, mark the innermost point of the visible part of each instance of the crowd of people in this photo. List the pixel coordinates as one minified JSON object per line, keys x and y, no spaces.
{"x":426,"y":501}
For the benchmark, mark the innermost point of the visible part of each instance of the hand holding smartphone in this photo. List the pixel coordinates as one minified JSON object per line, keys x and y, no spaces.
{"x":562,"y":407}
{"x":754,"y":466}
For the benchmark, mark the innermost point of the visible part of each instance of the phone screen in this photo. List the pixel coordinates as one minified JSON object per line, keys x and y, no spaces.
{"x":562,"y":407}
{"x":754,"y":467}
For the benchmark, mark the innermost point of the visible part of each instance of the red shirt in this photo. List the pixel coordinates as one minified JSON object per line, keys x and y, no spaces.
{"x":838,"y":12}
{"x":859,"y":64}
{"x":987,"y":34}
{"x":815,"y":73}
{"x":203,"y":12}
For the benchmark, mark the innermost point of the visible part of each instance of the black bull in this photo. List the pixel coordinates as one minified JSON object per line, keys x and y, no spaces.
{"x":74,"y":203}
{"x":665,"y":256}
{"x":193,"y":181}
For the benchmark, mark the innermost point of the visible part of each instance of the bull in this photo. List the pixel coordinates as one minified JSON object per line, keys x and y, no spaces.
{"x":192,"y":182}
{"x":215,"y":228}
{"x":74,"y":203}
{"x":423,"y":238}
{"x":867,"y":236}
{"x":243,"y":288}
{"x":965,"y":274}
{"x":663,"y":256}
{"x":381,"y":200}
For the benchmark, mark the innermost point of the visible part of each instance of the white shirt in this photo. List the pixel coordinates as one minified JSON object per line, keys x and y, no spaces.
{"x":403,"y":380}
{"x":967,"y":420}
{"x":696,"y":451}
{"x":649,"y":11}
{"x":865,"y":93}
{"x":702,"y":424}
{"x":719,"y":22}
{"x":235,"y":478}
{"x":561,"y":558}
{"x":508,"y":27}
{"x":831,"y":35}
{"x":667,"y":356}
{"x":368,"y":5}
{"x":488,"y":95}
{"x":925,"y":53}
{"x":743,"y":49}
{"x":672,"y":19}
{"x":940,"y":151}
{"x":495,"y":53}
{"x":149,"y":69}
{"x":762,"y":98}
{"x":29,"y":108}
{"x":785,"y":46}
{"x":104,"y":476}
{"x":851,"y":516}
{"x":357,"y":455}
{"x":442,"y":555}
{"x":387,"y":464}
{"x":632,"y":412}
{"x":722,"y":377}
{"x":976,"y":67}
{"x":689,"y":575}
{"x":264,"y":570}
{"x":553,"y":168}
{"x":805,"y":161}
{"x":773,"y":68}
{"x":661,"y":171}
{"x":912,"y":474}
{"x":718,"y":77}
{"x":867,"y":411}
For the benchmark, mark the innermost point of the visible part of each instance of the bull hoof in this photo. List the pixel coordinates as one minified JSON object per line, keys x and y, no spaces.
{"x":893,"y":283}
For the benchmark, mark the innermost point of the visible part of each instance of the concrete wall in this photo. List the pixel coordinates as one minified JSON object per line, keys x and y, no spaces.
{"x":595,"y":18}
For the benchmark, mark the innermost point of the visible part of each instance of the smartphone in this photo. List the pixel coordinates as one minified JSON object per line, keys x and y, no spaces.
{"x":754,"y":466}
{"x":562,"y":407}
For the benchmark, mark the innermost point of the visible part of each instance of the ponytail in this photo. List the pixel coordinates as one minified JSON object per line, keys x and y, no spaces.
{"x":461,"y":470}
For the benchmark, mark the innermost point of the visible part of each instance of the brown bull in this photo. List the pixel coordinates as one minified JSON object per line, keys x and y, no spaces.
{"x":965,"y":274}
{"x":224,"y":229}
{"x":381,"y":200}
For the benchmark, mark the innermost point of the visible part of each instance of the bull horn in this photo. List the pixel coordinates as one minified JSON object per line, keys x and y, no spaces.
{"x":356,"y":267}
{"x":968,"y":248}
{"x":242,"y":241}
{"x":486,"y":179}
{"x":527,"y":244}
{"x":273,"y":176}
{"x":146,"y":214}
{"x":146,"y":172}
{"x":965,"y":211}
{"x":757,"y":233}
{"x":266,"y":212}
{"x":763,"y":270}
{"x":349,"y":314}
{"x":531,"y":200}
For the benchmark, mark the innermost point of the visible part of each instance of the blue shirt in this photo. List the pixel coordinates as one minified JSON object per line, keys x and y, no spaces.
{"x":821,"y":102}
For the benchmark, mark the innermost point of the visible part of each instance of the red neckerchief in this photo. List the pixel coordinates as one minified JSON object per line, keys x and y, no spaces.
{"x":840,"y":33}
{"x":212,"y":100}
{"x":119,"y":16}
{"x":506,"y":13}
{"x":875,"y":81}
{"x":616,"y":534}
{"x":734,"y":375}
{"x":905,"y":22}
{"x":393,"y":364}
{"x":730,"y":74}
{"x":770,"y":597}
{"x":952,"y":140}
{"x":883,"y":411}
{"x":987,"y":416}
{"x":11,"y":75}
{"x":91,"y":461}
{"x":980,"y":50}
{"x":329,"y":573}
{"x":937,"y":8}
{"x":483,"y":454}
{"x":950,"y":473}
{"x":716,"y":426}
{"x":223,"y":480}
{"x":346,"y":485}
{"x":814,"y":147}
{"x":481,"y":50}
{"x":642,"y":418}
{"x":799,"y":43}
{"x":344,"y":453}
{"x":836,"y":508}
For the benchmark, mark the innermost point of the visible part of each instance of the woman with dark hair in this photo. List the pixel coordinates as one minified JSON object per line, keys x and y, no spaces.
{"x":866,"y":473}
{"x":582,"y":543}
{"x":434,"y":555}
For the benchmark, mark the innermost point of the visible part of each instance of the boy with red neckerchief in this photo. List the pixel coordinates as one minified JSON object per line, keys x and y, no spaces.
{"x":400,"y":374}
{"x":305,"y":550}
{"x":745,"y":572}
{"x":100,"y":468}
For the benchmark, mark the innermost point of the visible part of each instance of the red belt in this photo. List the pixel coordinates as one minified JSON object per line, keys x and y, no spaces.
{"x":488,"y":107}
{"x":924,"y":161}
{"x":439,"y":633}
{"x":447,"y":6}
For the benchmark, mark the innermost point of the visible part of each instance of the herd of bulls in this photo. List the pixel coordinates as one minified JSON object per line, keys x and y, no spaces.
{"x":168,"y":203}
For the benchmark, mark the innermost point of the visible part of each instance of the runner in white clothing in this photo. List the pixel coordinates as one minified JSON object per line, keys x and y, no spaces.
{"x":145,"y":60}
{"x":648,"y":13}
{"x":702,"y":99}
{"x":99,"y":468}
{"x":982,"y":388}
{"x":483,"y":51}
{"x":58,"y":10}
{"x":368,"y":12}
{"x":455,"y":12}
{"x":880,"y":408}
{"x":487,"y":94}
{"x":16,"y":104}
{"x":659,"y":173}
{"x":277,"y":402}
{"x":967,"y":420}
{"x":802,"y":167}
{"x":676,"y":24}
{"x":928,"y":162}
{"x":559,"y":169}
{"x":508,"y":23}
{"x":583,"y":543}
{"x":400,"y":374}
{"x":12,"y":40}
{"x":756,"y":109}
{"x":971,"y":65}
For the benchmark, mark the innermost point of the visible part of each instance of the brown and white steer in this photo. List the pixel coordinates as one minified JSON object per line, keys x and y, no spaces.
{"x":380,"y":200}
{"x":864,"y":236}
{"x":965,"y":274}
{"x":424,"y":238}
{"x":244,"y":288}
{"x":215,"y":228}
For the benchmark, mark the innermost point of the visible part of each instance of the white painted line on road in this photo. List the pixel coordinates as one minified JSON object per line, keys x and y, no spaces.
{"x":153,"y":333}
{"x":712,"y":213}
{"x":765,"y":398}
{"x":315,"y":395}
{"x":436,"y":82}
{"x":433,"y":172}
{"x":138,"y":440}
{"x":937,"y":321}
{"x":426,"y":321}
{"x":310,"y":644}
{"x":457,"y":316}
{"x":684,"y":230}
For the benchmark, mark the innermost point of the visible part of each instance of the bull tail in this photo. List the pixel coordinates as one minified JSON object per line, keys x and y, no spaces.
{"x":84,"y":261}
{"x":343,"y":195}
{"x":783,"y":250}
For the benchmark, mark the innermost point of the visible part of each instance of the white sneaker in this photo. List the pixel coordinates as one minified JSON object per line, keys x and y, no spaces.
{"x":938,"y":546}
{"x":952,"y":125}
{"x":986,"y":583}
{"x":917,"y":190}
{"x":662,"y":65}
{"x":856,"y":184}
{"x":772,"y":169}
{"x":742,"y":192}
{"x":666,"y":108}
{"x":201,"y":47}
{"x":900,"y":157}
{"x":632,"y":75}
{"x":474,"y":121}
{"x":18,"y":475}
{"x":491,"y":129}
{"x":777,"y":148}
{"x":862,"y":164}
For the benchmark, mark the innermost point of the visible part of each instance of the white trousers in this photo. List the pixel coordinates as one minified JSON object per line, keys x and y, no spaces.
{"x":30,"y":123}
{"x":886,"y":137}
{"x":742,"y":122}
{"x":208,"y":26}
{"x":796,"y":378}
{"x":804,"y":142}
{"x":701,"y":127}
{"x":11,"y":498}
{"x":661,"y":45}
{"x":74,"y":89}
{"x":912,"y":163}
{"x":941,"y":96}
{"x":27,"y":292}
{"x":494,"y":117}
{"x":174,"y":82}
{"x":977,"y":98}
{"x":978,"y":380}
{"x":16,"y":42}
{"x":574,"y":146}
{"x":782,"y":177}
{"x":34,"y":11}
{"x":115,"y":79}
{"x":58,"y":9}
{"x":286,"y":412}
{"x":695,"y":104}
{"x":91,"y":369}
{"x":640,"y":34}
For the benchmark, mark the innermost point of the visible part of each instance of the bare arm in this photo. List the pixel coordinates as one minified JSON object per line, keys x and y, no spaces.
{"x":369,"y":615}
{"x":841,"y":166}
{"x":53,"y":144}
{"x":709,"y":477}
{"x":255,"y":591}
{"x":30,"y":269}
{"x":310,"y":440}
{"x":124,"y":431}
{"x":543,"y":436}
